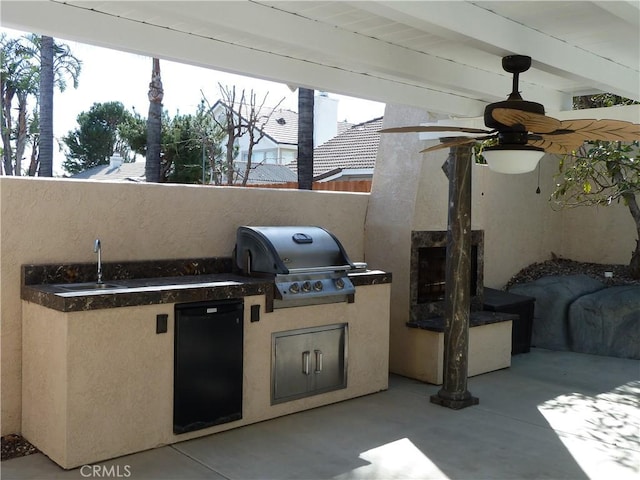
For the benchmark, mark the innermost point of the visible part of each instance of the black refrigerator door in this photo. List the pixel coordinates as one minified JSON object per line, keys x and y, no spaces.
{"x":207,"y":365}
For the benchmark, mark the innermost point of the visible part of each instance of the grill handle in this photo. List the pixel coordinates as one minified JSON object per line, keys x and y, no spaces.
{"x":329,"y":268}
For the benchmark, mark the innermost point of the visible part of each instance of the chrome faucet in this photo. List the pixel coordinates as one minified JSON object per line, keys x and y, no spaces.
{"x":97,"y":248}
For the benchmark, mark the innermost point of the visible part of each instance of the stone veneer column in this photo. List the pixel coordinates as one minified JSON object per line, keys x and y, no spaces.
{"x":454,"y":393}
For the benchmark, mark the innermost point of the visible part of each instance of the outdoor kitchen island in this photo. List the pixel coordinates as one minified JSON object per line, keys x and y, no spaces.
{"x":98,"y":365}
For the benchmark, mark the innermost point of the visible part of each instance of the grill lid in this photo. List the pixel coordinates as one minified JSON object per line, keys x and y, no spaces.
{"x":289,"y":249}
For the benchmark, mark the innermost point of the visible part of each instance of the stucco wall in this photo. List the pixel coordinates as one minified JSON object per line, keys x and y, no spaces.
{"x":101,"y":385}
{"x":410,"y":192}
{"x":53,"y":220}
{"x":598,"y":234}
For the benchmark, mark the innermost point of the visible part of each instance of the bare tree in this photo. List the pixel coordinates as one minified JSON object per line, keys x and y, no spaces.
{"x":232,"y":125}
{"x":256,"y":121}
{"x":241,"y":118}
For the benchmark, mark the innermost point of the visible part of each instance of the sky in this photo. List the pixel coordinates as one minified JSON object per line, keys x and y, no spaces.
{"x":110,"y":75}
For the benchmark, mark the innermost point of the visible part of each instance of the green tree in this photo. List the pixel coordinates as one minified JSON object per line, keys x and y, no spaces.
{"x":212,"y":136}
{"x":181,"y":147}
{"x":603,"y":173}
{"x":20,"y":76}
{"x":96,"y":138}
{"x":600,"y":100}
{"x":18,"y":80}
{"x":56,"y":64}
{"x":182,"y":151}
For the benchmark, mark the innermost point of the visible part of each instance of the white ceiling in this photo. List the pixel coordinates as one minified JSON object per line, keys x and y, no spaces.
{"x":444,"y":56}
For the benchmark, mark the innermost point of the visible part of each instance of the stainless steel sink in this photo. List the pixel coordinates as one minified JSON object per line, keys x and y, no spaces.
{"x":78,"y":287}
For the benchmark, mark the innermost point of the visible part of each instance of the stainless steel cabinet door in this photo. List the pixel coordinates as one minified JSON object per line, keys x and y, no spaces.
{"x":308,"y":361}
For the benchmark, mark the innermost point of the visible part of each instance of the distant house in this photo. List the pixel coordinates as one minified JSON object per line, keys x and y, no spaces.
{"x":350,"y":155}
{"x":279,"y":145}
{"x":118,"y":171}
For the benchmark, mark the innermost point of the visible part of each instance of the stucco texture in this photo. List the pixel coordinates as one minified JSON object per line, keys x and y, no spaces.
{"x":56,"y":221}
{"x":99,"y":384}
{"x":410,"y":192}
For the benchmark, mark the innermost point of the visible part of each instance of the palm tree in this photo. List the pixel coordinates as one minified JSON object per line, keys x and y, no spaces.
{"x":45,"y":156}
{"x":20,"y":78}
{"x":56,"y":65}
{"x":305,"y":138}
{"x":154,"y":124}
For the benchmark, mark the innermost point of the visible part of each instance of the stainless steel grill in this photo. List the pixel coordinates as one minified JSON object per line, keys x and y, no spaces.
{"x":308,"y":264}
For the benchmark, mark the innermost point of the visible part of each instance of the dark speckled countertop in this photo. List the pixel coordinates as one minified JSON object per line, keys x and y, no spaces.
{"x":149,"y":283}
{"x":476,"y":318}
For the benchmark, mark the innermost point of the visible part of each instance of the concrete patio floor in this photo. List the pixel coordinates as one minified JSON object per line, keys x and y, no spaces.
{"x":551,"y":415}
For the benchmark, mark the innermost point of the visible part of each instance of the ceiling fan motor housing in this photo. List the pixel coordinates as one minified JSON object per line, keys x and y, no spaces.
{"x":521,"y":105}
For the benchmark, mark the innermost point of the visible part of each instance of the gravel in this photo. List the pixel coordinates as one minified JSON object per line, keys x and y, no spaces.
{"x":562,"y":266}
{"x":16,"y":446}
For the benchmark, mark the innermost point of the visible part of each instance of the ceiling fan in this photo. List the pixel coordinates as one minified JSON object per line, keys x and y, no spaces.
{"x":522,"y":126}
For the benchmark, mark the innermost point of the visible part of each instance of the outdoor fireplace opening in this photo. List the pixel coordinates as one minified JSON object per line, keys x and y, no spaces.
{"x":428,"y":272}
{"x":432,"y":263}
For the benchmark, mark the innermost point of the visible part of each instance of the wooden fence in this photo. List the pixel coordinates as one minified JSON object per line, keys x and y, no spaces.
{"x":344,"y":186}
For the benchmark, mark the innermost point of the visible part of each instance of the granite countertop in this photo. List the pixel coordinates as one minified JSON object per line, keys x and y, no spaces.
{"x":476,"y":319}
{"x":72,"y":287}
{"x":146,"y":291}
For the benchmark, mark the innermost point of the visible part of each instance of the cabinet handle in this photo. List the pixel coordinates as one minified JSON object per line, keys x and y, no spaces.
{"x":318,"y":361}
{"x":306,"y":357}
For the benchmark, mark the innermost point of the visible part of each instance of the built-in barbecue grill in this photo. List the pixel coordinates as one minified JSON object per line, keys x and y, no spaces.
{"x":308,"y":264}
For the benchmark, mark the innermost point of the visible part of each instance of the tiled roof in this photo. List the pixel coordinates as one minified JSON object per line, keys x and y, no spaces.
{"x":266,"y":173}
{"x":355,"y":148}
{"x":132,"y":172}
{"x":343,"y":127}
{"x":282,"y":126}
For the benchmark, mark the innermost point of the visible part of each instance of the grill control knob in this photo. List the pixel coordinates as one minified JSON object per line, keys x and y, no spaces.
{"x":306,"y":287}
{"x":317,"y":286}
{"x":339,"y":283}
{"x":294,"y":288}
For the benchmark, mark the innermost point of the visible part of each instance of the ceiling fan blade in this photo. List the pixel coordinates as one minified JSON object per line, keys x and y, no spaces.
{"x":451,"y":143}
{"x":610,"y":130}
{"x":532,"y":122}
{"x":433,"y":128}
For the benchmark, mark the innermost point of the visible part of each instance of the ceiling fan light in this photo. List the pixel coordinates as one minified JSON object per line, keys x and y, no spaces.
{"x":512,"y":158}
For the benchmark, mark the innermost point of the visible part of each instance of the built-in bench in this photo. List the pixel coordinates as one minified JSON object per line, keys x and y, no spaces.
{"x":489,"y":344}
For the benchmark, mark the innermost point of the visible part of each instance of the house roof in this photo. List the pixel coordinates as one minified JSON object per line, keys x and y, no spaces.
{"x":355,"y":148}
{"x":134,"y":172}
{"x":263,"y":173}
{"x":282,"y":126}
{"x":125,"y":172}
